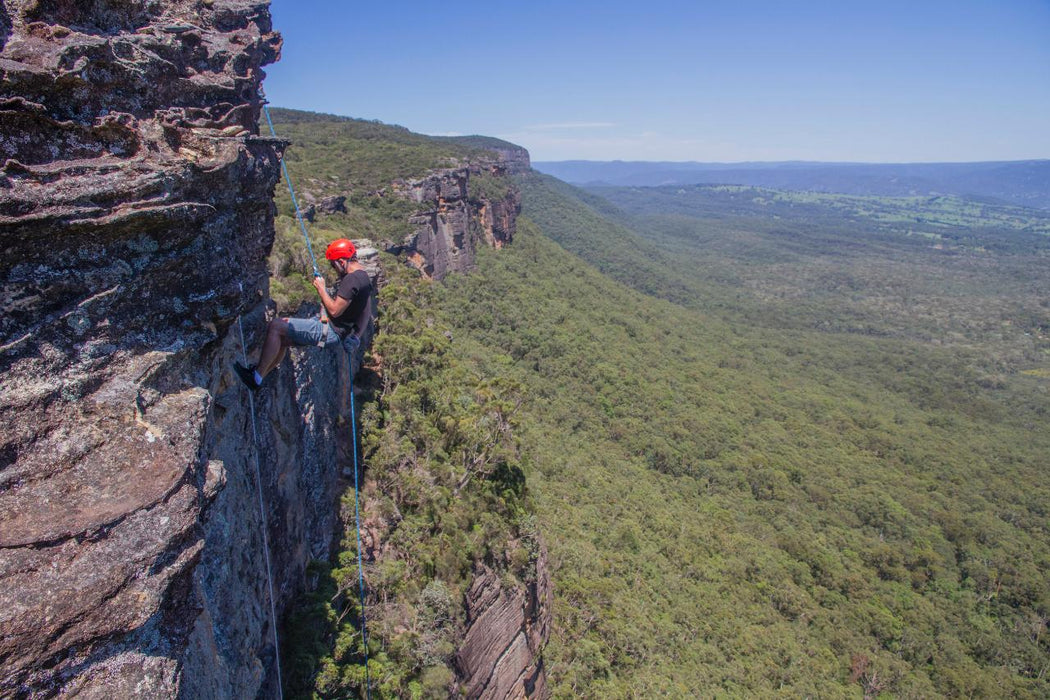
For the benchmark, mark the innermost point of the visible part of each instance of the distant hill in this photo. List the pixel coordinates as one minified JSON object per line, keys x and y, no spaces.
{"x":1025,"y":182}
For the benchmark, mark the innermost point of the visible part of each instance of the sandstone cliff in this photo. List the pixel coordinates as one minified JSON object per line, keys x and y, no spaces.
{"x":513,"y":159}
{"x":136,"y":205}
{"x":454,"y":218}
{"x":501,"y":655}
{"x":504,"y":621}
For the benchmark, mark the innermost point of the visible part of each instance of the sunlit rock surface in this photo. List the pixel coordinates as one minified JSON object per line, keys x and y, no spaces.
{"x":500,"y":655}
{"x":453,"y":222}
{"x":136,"y":215}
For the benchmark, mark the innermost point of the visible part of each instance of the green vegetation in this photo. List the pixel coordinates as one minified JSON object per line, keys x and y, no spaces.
{"x":795,"y":262}
{"x":363,"y":161}
{"x":446,"y":483}
{"x":477,"y":142}
{"x":720,"y":200}
{"x":360,"y":155}
{"x":484,"y":185}
{"x":355,"y":158}
{"x":777,"y":444}
{"x":736,"y":510}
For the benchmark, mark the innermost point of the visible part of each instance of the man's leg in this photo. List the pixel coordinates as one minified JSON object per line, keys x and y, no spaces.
{"x":275,"y":347}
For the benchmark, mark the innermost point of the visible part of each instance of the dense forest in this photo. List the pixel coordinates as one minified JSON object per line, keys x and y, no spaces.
{"x":776,"y":443}
{"x":747,"y":502}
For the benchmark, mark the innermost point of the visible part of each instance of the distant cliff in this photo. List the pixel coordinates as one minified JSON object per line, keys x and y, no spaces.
{"x":456,"y":217}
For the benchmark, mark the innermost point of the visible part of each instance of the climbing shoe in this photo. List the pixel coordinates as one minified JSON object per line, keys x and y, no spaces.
{"x":247,"y":375}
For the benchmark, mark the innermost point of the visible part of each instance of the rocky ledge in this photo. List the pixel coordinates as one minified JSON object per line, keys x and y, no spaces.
{"x":456,"y":217}
{"x":501,"y":654}
{"x":137,"y":493}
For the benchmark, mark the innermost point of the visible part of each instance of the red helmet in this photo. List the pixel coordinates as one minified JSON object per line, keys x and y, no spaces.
{"x":340,"y":248}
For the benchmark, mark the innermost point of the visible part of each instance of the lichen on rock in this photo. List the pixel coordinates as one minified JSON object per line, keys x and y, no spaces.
{"x":136,"y":213}
{"x":136,"y":217}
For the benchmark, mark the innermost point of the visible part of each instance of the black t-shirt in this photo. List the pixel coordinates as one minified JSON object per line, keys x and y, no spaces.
{"x":356,"y":288}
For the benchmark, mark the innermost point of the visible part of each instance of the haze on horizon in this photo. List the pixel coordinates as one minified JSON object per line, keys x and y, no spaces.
{"x":888,"y":82}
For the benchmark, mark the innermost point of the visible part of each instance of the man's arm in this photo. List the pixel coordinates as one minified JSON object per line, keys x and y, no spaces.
{"x":333,"y":305}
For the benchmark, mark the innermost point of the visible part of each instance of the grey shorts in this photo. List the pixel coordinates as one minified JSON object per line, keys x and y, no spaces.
{"x":308,"y":331}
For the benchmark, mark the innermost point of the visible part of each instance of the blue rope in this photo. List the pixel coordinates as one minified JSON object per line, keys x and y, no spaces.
{"x":357,"y":515}
{"x":295,"y":202}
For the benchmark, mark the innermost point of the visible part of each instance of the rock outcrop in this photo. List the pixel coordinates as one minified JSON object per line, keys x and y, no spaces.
{"x":513,"y":160}
{"x":506,"y":620}
{"x":501,"y":654}
{"x":327,"y":205}
{"x":454,"y":219}
{"x":332,"y":205}
{"x":136,"y":213}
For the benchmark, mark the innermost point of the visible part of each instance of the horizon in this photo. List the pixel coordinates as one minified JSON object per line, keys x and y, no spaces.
{"x":868,"y":82}
{"x":675,"y":162}
{"x":798,"y":162}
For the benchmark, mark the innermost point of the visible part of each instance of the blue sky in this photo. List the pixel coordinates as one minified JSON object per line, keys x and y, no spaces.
{"x":851,"y":80}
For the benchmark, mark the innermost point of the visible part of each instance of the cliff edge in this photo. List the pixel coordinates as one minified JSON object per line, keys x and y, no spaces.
{"x":460,"y":209}
{"x":136,"y":206}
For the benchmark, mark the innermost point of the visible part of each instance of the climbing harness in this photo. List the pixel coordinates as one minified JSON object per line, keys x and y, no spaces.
{"x":262,"y":518}
{"x":325,"y":327}
{"x":326,"y":323}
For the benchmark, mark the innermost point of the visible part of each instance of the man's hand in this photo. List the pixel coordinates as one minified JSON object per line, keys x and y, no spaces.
{"x":334,"y":306}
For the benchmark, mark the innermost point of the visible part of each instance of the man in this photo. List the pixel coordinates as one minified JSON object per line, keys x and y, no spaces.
{"x":343,"y":317}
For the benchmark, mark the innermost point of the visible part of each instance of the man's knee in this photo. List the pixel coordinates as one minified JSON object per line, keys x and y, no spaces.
{"x":278,"y":327}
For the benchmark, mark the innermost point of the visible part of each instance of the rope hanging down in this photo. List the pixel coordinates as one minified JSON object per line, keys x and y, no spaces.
{"x":357,"y":516}
{"x":262,"y":517}
{"x":353,"y":427}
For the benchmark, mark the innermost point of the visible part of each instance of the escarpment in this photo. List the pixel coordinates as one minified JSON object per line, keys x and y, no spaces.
{"x":136,"y":213}
{"x":458,"y":590}
{"x":456,"y":216}
{"x":501,"y":653}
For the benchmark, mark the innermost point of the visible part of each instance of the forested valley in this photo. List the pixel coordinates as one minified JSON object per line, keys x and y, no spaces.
{"x":776,"y":443}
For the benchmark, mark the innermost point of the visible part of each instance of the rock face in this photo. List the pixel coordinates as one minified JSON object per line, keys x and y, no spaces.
{"x":454,"y":220}
{"x":136,"y":216}
{"x":332,"y":205}
{"x":508,"y":628}
{"x":328,"y":206}
{"x":514,"y":160}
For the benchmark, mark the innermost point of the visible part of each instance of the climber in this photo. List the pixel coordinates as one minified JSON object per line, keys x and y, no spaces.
{"x":343,"y":319}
